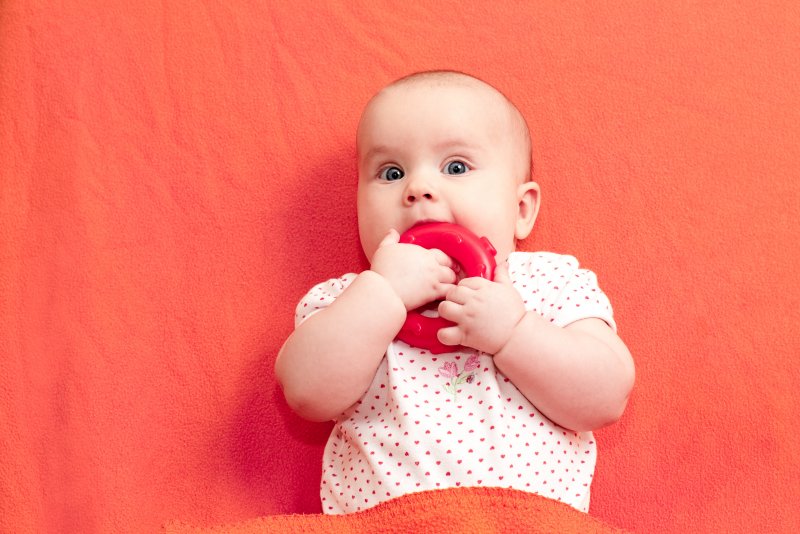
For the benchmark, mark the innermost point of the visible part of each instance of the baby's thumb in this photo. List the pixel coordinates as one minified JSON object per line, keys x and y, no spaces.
{"x":391,"y":238}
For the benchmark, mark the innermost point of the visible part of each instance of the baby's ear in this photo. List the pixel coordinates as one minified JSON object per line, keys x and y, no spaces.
{"x":528,"y":199}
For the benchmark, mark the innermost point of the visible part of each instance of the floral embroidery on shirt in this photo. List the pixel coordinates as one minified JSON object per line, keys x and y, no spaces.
{"x":450,"y":370}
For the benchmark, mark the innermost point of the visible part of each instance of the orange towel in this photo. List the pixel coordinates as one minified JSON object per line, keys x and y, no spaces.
{"x":450,"y":510}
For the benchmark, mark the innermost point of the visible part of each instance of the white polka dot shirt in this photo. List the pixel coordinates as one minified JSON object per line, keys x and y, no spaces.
{"x":436,"y":421}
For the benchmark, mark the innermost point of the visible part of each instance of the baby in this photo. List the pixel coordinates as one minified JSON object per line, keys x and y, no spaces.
{"x":536,"y":364}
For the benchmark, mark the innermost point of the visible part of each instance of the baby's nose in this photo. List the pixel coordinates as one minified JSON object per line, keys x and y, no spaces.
{"x":413,"y":198}
{"x":417,"y":189}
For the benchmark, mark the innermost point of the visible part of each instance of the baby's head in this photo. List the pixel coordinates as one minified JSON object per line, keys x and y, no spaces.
{"x":445,"y":146}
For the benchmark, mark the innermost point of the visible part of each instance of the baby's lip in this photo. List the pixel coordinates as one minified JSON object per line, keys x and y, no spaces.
{"x":425,"y":221}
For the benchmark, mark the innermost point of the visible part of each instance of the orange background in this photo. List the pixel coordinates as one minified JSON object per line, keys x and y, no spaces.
{"x":176,"y":175}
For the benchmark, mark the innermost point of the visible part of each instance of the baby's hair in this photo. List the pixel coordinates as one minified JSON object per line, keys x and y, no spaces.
{"x":454,"y":76}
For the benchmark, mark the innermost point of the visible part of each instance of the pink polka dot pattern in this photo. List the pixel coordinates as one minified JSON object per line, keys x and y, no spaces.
{"x":320,"y":297}
{"x":436,"y":421}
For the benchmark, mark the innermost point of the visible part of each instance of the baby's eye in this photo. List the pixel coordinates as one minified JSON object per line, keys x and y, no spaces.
{"x":456,"y":167}
{"x":390,"y":174}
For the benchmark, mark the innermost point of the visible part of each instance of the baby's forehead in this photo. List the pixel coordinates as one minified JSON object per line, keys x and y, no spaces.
{"x":420,"y":88}
{"x":447,"y":99}
{"x":441,"y":94}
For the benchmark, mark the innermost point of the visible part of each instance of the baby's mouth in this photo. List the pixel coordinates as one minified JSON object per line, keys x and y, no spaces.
{"x":432,"y":312}
{"x":423,"y":221}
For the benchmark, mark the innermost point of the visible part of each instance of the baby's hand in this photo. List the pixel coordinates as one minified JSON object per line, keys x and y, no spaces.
{"x":485,"y":312}
{"x":416,"y":274}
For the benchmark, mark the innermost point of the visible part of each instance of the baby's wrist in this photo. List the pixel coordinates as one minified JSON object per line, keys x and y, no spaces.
{"x":515,"y":334}
{"x":378,"y":279}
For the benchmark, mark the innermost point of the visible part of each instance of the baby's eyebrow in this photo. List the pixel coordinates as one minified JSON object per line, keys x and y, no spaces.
{"x":374,"y":151}
{"x":448,"y":144}
{"x":457,"y":143}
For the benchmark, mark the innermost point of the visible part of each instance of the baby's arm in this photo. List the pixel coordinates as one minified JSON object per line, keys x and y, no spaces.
{"x":330,"y":360}
{"x":579,"y":376}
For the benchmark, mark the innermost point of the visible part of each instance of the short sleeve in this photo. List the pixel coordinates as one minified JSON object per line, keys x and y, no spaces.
{"x":320,"y":297}
{"x":556,"y":287}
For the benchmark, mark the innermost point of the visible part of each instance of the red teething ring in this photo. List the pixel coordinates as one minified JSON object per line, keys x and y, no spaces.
{"x":476,"y":257}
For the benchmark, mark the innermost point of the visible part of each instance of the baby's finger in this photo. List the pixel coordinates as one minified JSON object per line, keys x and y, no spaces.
{"x":458,"y":294}
{"x":450,"y":310}
{"x":451,"y":335}
{"x":474,"y":282}
{"x":443,"y":258}
{"x":441,"y":290}
{"x":392,"y":237}
{"x":447,"y":275}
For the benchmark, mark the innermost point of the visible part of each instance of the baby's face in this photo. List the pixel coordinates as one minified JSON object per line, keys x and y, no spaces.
{"x":441,"y":152}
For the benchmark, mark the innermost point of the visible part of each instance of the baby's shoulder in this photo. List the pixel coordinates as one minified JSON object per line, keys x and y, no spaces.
{"x":555,"y":286}
{"x":321,"y":296}
{"x":540,"y":264}
{"x":335,"y":285}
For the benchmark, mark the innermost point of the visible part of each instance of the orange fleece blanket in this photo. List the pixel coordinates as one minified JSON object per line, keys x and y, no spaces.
{"x":174,"y":176}
{"x":449,"y":510}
